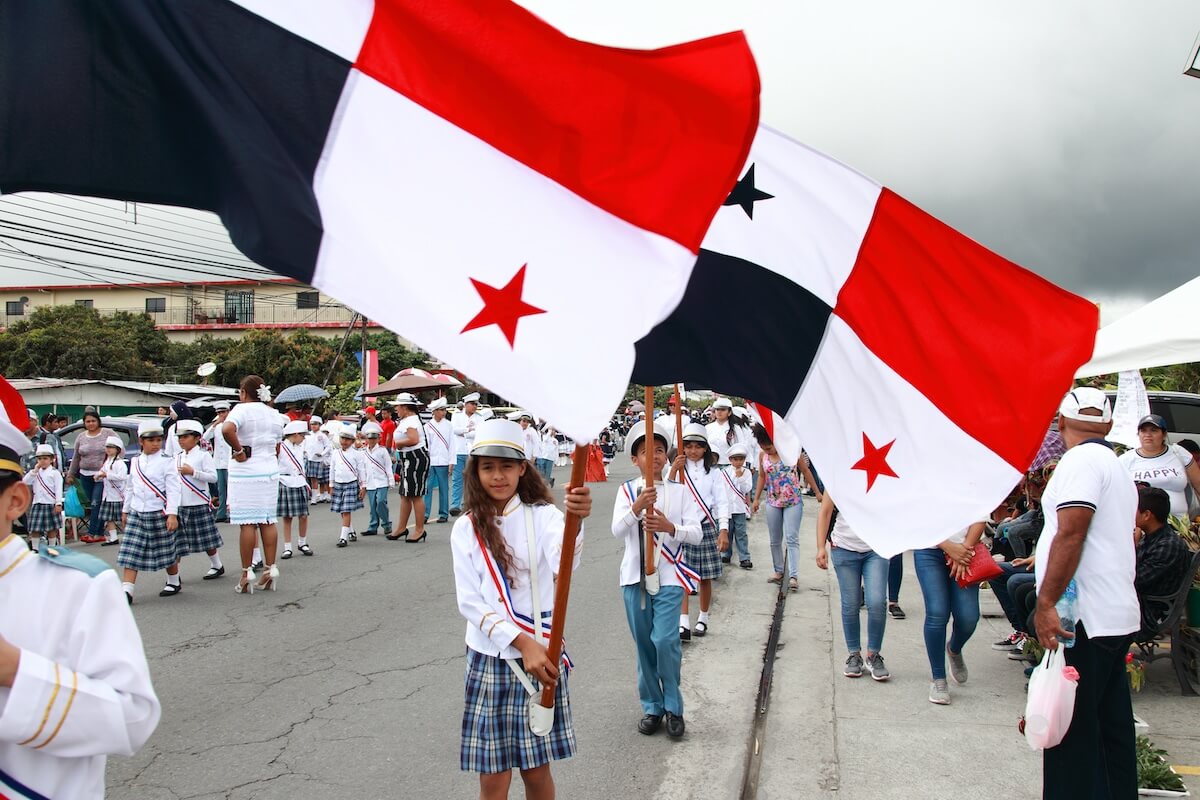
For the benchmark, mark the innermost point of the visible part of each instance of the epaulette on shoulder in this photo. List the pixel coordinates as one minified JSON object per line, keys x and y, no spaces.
{"x":65,"y":557}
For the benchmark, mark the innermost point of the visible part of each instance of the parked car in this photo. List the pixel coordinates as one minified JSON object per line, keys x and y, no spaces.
{"x":125,"y":427}
{"x":1181,"y":410}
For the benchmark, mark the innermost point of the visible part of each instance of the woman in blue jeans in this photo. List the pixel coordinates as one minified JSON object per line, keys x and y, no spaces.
{"x":859,"y":569}
{"x":785,"y":505}
{"x":945,"y":598}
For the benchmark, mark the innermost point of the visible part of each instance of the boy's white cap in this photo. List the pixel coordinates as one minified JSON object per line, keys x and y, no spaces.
{"x":436,"y":404}
{"x":501,"y":438}
{"x":315,"y":420}
{"x":222,"y":405}
{"x":405,"y":399}
{"x":638,"y":432}
{"x":150,"y":427}
{"x":473,"y":397}
{"x":1086,"y":397}
{"x":44,"y":450}
{"x":737,"y":450}
{"x":346,"y":431}
{"x":520,"y":413}
{"x":695,"y":432}
{"x":295,"y":426}
{"x":115,"y":441}
{"x":723,"y":402}
{"x":372,"y":429}
{"x":188,"y":426}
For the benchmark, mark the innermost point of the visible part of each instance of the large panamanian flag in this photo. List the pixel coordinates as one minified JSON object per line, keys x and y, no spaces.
{"x":457,"y":170}
{"x":918,"y":368}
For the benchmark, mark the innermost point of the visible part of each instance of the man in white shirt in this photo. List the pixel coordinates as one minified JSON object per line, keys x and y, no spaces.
{"x":222,"y":453}
{"x":1090,"y":505}
{"x":439,"y":436}
{"x":464,"y":434}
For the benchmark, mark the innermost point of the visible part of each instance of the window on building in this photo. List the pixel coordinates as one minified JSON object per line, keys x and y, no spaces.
{"x":239,"y":307}
{"x":14,"y":308}
{"x":84,"y":303}
{"x":156,"y":305}
{"x":308,"y":299}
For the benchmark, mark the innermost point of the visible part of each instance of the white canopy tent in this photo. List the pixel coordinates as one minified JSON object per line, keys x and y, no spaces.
{"x":1163,"y":332}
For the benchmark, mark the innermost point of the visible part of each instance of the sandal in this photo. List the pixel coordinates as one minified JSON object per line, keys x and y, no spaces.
{"x":776,"y":578}
{"x":793,"y":584}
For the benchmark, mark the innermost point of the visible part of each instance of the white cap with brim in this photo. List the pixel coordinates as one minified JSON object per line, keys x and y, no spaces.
{"x":115,"y":441}
{"x":1086,"y":398}
{"x":44,"y":450}
{"x":372,"y":429}
{"x":315,"y":420}
{"x":405,"y":399}
{"x":436,"y":404}
{"x":638,"y":432}
{"x":473,"y":397}
{"x":188,"y":426}
{"x":150,"y":427}
{"x":737,"y":450}
{"x":695,"y":432}
{"x":500,"y":438}
{"x":295,"y":426}
{"x":723,"y":402}
{"x":222,"y":405}
{"x":346,"y":431}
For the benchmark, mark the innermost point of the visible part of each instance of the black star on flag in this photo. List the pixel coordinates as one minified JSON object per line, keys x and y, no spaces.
{"x":746,"y":195}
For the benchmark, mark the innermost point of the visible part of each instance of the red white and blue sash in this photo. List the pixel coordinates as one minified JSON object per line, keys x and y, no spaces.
{"x":733,"y":487}
{"x":187,"y":481}
{"x":292,"y":457}
{"x":523,"y":621}
{"x":342,"y":455}
{"x":137,"y":468}
{"x":46,"y":486}
{"x":13,"y":789}
{"x":375,"y":461}
{"x":438,"y":433}
{"x":695,"y":490}
{"x":688,"y":577}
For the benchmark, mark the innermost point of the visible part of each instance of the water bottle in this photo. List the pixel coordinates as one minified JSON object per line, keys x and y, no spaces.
{"x":1068,"y":611}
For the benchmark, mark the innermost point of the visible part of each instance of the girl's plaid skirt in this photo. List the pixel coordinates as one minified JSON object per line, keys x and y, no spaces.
{"x":110,"y":511}
{"x":704,"y":557}
{"x":495,"y":727}
{"x":146,"y":544}
{"x":198,"y":530}
{"x":293,"y":501}
{"x":43,"y":518}
{"x":315,"y":469}
{"x":345,"y":498}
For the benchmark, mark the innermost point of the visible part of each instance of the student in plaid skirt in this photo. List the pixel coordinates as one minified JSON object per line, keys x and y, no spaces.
{"x":509,"y":510}
{"x":115,"y":475}
{"x":317,"y":450}
{"x":197,"y":524}
{"x":294,"y":494}
{"x":348,"y":471}
{"x":151,"y":514}
{"x":45,"y":515}
{"x":695,"y":467}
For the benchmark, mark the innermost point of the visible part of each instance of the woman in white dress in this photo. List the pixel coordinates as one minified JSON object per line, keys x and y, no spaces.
{"x":254,"y":430}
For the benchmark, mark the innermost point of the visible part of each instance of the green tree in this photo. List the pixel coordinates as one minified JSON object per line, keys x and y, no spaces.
{"x":78,"y":342}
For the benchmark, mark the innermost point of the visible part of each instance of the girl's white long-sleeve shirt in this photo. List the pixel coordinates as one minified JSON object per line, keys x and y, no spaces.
{"x":153,"y":485}
{"x":711,"y":488}
{"x":491,"y":628}
{"x":378,"y":461}
{"x":47,"y":486}
{"x":116,"y":480}
{"x":738,"y":490}
{"x":675,"y":503}
{"x":193,"y":489}
{"x":348,"y":466}
{"x":291,"y":465}
{"x":318,"y":448}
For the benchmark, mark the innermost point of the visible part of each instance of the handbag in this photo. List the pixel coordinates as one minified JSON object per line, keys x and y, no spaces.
{"x":982,"y":568}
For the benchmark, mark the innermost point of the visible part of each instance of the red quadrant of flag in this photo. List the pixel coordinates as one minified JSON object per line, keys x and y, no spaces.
{"x":496,"y":71}
{"x":949,"y":316}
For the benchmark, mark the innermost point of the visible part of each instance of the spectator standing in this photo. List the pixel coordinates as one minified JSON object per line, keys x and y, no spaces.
{"x":413,"y":463}
{"x":222,"y":455}
{"x":46,"y":435}
{"x":1089,"y":504}
{"x":785,"y":506}
{"x":1160,"y":463}
{"x":388,"y":426}
{"x":1193,"y":496}
{"x":87,"y":460}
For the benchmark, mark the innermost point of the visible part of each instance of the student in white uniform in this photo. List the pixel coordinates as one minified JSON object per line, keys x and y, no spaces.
{"x":506,"y":549}
{"x":380,"y":478}
{"x":293,"y":487}
{"x":151,"y":514}
{"x":74,"y":683}
{"x":197,"y":529}
{"x":222,"y":454}
{"x":726,"y":431}
{"x":665,"y":512}
{"x":318,"y":454}
{"x":44,"y":520}
{"x":115,"y":474}
{"x":547,"y":455}
{"x":464,"y":423}
{"x":533,"y":442}
{"x":348,"y":473}
{"x":739,"y":484}
{"x":696,"y":469}
{"x":439,"y":436}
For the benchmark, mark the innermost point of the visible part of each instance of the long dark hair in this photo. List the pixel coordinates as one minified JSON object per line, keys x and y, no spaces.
{"x":532,"y":490}
{"x":710,"y":458}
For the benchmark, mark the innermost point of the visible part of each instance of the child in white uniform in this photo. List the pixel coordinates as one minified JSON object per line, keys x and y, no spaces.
{"x":45,"y":515}
{"x":197,"y":524}
{"x":150,"y":521}
{"x":380,"y":478}
{"x":348,"y":472}
{"x":508,"y":542}
{"x":696,"y":469}
{"x":739,"y":484}
{"x":115,"y":474}
{"x":293,"y":487}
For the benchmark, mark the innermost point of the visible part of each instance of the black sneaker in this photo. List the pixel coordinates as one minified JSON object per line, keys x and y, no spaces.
{"x":650,"y":724}
{"x":685,"y":634}
{"x":747,"y":564}
{"x":371,"y":533}
{"x":896,"y":611}
{"x":675,"y":726}
{"x":442,"y":519}
{"x":454,"y":512}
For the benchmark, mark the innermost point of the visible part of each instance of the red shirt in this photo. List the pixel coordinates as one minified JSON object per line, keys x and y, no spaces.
{"x":389,"y":431}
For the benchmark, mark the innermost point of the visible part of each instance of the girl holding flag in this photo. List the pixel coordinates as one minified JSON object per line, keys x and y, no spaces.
{"x":293,"y":488}
{"x":506,"y":550}
{"x":150,"y":518}
{"x":706,"y":489}
{"x":197,"y":525}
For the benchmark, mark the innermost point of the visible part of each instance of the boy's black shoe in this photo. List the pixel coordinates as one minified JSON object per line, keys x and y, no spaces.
{"x":650,"y":724}
{"x":685,"y":634}
{"x":675,"y":725}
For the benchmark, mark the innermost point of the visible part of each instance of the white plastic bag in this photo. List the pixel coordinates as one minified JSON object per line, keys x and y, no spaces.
{"x":1051,"y":701}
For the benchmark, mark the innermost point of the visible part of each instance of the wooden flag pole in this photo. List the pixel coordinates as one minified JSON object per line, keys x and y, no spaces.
{"x":678,"y":419}
{"x":648,"y":472}
{"x":566,"y":564}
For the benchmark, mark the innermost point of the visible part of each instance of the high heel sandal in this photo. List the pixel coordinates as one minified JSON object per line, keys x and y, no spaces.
{"x":248,"y":586}
{"x":269,"y":580}
{"x":420,"y":538}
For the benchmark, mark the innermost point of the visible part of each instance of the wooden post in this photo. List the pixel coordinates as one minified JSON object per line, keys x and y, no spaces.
{"x":678,"y":419}
{"x":566,"y":564}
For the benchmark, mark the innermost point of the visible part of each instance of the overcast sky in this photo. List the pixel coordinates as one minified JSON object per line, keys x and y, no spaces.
{"x":1062,"y":135}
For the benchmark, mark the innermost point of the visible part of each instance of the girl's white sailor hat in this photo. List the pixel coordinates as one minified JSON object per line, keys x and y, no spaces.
{"x":500,"y":438}
{"x":150,"y":427}
{"x":346,"y":431}
{"x":315,"y":420}
{"x":694,"y":432}
{"x":372,"y":429}
{"x":434,"y":405}
{"x":723,"y":402}
{"x":295,"y":426}
{"x":44,"y":450}
{"x":115,"y":441}
{"x":188,"y":426}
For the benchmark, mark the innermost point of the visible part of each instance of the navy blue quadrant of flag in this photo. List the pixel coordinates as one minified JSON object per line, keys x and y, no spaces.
{"x":167,"y":137}
{"x":764,"y":347}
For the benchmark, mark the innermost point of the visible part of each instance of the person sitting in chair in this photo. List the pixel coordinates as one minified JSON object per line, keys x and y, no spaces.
{"x":1162,"y":556}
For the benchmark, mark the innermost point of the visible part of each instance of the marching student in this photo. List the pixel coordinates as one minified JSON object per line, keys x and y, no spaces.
{"x":696,"y":469}
{"x":45,"y":515}
{"x":115,"y":474}
{"x":439,"y":436}
{"x":317,"y":453}
{"x":739,"y":483}
{"x":547,"y":454}
{"x":222,"y":455}
{"x":727,"y":430}
{"x":506,"y":550}
{"x":74,"y":683}
{"x":533,"y":442}
{"x":293,"y":487}
{"x":463,"y":424}
{"x":197,"y":528}
{"x":380,"y":478}
{"x":348,"y":472}
{"x":665,"y":512}
{"x":150,"y":516}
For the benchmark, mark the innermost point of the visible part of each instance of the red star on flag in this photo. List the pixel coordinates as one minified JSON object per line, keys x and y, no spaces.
{"x":503,"y":307}
{"x":874,"y":461}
